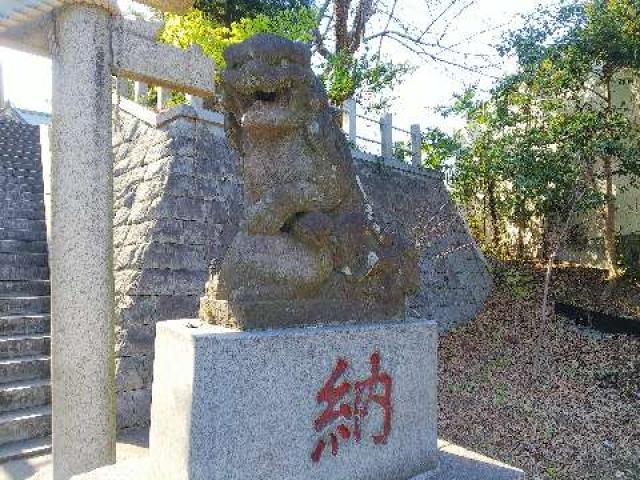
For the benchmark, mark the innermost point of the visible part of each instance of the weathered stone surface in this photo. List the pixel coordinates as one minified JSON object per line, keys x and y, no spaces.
{"x":175,"y":6}
{"x":242,"y":405}
{"x":309,"y":250}
{"x":138,"y":55}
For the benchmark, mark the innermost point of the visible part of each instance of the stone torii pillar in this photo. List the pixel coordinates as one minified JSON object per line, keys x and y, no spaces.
{"x":89,"y":42}
{"x":82,"y":302}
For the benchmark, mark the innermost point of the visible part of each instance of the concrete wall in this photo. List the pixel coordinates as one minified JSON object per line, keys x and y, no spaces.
{"x":178,"y":195}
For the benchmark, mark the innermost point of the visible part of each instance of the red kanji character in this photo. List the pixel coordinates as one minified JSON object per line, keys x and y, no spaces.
{"x":366,"y":392}
{"x":331,"y":395}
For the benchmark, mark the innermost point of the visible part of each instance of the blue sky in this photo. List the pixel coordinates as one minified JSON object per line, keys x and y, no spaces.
{"x":27,"y":78}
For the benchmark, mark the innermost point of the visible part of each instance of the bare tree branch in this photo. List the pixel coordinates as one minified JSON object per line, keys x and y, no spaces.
{"x":386,"y":27}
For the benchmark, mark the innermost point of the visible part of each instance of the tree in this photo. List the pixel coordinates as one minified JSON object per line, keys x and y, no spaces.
{"x":554,"y":127}
{"x":349,"y":36}
{"x":352,"y":36}
{"x":226,"y":12}
{"x":438,"y":148}
{"x":198,"y":28}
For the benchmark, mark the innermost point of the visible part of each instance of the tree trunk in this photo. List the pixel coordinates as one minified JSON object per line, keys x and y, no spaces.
{"x":341,"y":13}
{"x":520,"y":244}
{"x":493,"y":213}
{"x":610,"y":208}
{"x":610,"y":220}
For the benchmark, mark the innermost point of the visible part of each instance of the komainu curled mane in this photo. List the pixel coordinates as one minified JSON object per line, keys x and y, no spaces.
{"x":309,"y":250}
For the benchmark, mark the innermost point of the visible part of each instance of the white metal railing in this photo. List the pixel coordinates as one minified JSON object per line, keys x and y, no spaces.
{"x":382,"y":129}
{"x":139,"y":91}
{"x":387,"y":148}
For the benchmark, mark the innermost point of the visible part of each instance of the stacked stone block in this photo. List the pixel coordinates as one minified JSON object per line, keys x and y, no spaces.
{"x":177,"y":198}
{"x":455,"y":280}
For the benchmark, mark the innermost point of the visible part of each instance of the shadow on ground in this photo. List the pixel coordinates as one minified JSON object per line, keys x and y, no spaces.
{"x":131,"y":444}
{"x":456,"y":463}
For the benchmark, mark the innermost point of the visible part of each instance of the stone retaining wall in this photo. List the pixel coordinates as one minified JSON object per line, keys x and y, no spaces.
{"x":178,"y":201}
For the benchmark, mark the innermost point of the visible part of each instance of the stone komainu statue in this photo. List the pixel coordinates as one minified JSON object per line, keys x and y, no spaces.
{"x":309,"y":250}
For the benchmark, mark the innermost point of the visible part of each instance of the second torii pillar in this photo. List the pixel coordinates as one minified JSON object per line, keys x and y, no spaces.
{"x":84,"y":413}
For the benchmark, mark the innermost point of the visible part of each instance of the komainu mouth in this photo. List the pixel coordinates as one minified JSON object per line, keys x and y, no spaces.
{"x":309,"y":250}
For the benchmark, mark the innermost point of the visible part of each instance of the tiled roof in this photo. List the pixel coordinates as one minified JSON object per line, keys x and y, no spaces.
{"x":16,"y":12}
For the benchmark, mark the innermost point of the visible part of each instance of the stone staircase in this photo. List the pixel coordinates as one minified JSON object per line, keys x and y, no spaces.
{"x":25,"y":390}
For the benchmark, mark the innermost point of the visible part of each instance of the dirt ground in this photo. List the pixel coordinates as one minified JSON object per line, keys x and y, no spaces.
{"x":559,"y":401}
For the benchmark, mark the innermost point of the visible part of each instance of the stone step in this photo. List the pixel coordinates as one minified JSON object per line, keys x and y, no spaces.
{"x":35,"y":210}
{"x":24,"y":394}
{"x":24,"y":259}
{"x":23,"y":224}
{"x":15,"y":174}
{"x":22,"y":154}
{"x":24,"y":288}
{"x":25,"y":368}
{"x":22,"y":162}
{"x":27,"y":196}
{"x":28,"y":193}
{"x":28,"y":171}
{"x":25,"y":424}
{"x":10,"y":185}
{"x":24,"y":324}
{"x":25,"y":177}
{"x":23,"y":246}
{"x":25,"y":345}
{"x":25,"y":449}
{"x":24,"y":305}
{"x":12,"y":272}
{"x":32,"y":213}
{"x":19,"y":149}
{"x":21,"y":203}
{"x":19,"y":165}
{"x":38,"y":235}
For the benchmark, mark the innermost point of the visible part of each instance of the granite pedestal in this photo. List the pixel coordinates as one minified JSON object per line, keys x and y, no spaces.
{"x":321,"y":403}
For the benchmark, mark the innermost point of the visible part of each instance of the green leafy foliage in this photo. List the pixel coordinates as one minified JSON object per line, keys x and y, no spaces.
{"x":197,"y":28}
{"x":438,"y":147}
{"x":534,"y":151}
{"x":366,"y":77}
{"x":225,"y":12}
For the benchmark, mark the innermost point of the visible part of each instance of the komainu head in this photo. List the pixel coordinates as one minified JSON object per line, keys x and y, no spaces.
{"x":269,"y":84}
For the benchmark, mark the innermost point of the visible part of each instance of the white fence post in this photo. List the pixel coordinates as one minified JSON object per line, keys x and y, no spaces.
{"x":416,"y":145}
{"x":122,"y":87}
{"x":195,"y":102}
{"x":349,"y":116}
{"x":140,"y":90}
{"x":386,"y":136}
{"x":164,"y":94}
